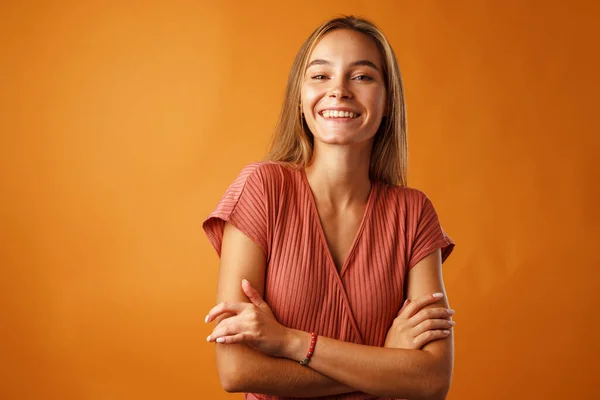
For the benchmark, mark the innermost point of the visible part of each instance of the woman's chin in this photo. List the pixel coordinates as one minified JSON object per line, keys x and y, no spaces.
{"x":340,"y":138}
{"x":340,"y":143}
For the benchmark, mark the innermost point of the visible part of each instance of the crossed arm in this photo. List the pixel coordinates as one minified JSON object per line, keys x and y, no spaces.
{"x":270,"y":365}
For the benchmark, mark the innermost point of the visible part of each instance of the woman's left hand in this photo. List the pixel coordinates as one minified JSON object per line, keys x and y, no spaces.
{"x":252,"y":323}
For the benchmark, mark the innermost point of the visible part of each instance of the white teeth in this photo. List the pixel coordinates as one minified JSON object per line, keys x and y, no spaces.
{"x":338,"y":114}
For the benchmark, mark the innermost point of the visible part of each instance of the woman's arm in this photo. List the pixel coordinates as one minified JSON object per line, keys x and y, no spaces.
{"x":415,"y":374}
{"x":242,"y":368}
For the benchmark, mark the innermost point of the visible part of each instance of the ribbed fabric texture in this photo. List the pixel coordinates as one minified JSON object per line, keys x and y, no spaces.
{"x":274,"y":206}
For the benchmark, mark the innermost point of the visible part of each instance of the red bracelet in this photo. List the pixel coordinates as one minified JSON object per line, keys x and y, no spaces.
{"x":311,"y":350}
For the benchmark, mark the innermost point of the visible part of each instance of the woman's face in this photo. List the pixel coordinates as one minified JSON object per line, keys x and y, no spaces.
{"x":343,"y":90}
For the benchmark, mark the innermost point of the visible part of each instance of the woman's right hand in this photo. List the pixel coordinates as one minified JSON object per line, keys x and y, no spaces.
{"x":415,"y":326}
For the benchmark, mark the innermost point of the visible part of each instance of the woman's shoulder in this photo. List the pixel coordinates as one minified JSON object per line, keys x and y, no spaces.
{"x":273,"y":167}
{"x":270,"y":173}
{"x":402,"y":195}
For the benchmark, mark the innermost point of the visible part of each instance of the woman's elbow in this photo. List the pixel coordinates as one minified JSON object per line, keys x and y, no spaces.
{"x":439,"y":387}
{"x":429,"y":390}
{"x":230,"y":383}
{"x":431,"y":385}
{"x":231,"y":372}
{"x":440,"y":393}
{"x":229,"y":379}
{"x":439,"y":376}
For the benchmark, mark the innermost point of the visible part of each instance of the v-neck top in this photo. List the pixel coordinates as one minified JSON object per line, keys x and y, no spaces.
{"x":274,"y":206}
{"x":321,"y":232}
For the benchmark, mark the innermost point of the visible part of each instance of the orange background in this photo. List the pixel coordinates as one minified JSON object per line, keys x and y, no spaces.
{"x":123,"y":123}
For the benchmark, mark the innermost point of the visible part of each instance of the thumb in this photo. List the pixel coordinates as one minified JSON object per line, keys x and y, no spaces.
{"x":406,"y":303}
{"x":252,"y":294}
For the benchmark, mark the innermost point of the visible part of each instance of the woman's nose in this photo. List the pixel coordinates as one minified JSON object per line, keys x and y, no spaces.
{"x":339,"y":89}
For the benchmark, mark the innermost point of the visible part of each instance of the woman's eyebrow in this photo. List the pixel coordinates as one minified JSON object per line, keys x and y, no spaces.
{"x":366,"y":63}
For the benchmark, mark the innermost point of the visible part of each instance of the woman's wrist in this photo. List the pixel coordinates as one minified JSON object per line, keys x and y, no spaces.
{"x":296,"y":345}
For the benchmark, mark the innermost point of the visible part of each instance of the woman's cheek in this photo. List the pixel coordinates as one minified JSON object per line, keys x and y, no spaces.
{"x":308,"y":103}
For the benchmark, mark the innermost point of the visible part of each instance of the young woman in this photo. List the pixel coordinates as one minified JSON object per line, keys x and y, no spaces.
{"x":330,"y":280}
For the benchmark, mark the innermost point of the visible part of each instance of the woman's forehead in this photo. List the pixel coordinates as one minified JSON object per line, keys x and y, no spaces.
{"x":346,"y":46}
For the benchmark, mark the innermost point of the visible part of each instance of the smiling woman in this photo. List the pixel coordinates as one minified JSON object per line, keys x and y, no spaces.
{"x":330,"y":280}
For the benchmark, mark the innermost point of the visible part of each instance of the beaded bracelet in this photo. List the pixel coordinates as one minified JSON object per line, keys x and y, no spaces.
{"x":311,"y":350}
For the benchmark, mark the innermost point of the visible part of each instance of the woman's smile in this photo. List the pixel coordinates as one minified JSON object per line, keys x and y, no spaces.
{"x":339,"y":116}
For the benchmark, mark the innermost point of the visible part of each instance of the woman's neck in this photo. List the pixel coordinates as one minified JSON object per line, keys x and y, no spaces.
{"x":339,"y":175}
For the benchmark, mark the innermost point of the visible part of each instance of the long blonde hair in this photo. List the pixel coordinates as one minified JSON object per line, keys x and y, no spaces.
{"x":293,"y":142}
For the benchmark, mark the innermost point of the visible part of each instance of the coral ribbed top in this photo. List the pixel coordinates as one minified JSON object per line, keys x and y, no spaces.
{"x":274,"y":206}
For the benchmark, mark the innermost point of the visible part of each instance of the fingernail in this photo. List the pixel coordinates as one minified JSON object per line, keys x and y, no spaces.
{"x":208,"y":338}
{"x":438,"y":295}
{"x":220,"y":340}
{"x":446,"y":332}
{"x":206,"y":319}
{"x":451,"y":312}
{"x":244,"y":280}
{"x":451,"y":323}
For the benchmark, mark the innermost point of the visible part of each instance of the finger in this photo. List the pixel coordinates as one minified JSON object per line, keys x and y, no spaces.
{"x":431,"y":313}
{"x":406,"y":303}
{"x":225,"y":307}
{"x":417,"y":304}
{"x":430,"y":336}
{"x":252,"y":294}
{"x":433,"y":324}
{"x":227,"y":327}
{"x":239,"y":338}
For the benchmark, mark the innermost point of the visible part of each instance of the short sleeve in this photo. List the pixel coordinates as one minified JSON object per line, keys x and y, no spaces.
{"x":428,"y":234}
{"x":244,"y":206}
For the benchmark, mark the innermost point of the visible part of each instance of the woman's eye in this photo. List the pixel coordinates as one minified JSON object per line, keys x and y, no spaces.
{"x":363,"y":78}
{"x":319,"y":77}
